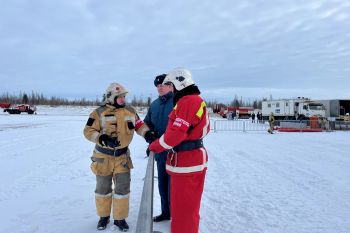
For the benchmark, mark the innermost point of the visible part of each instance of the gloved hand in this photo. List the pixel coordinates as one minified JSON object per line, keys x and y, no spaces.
{"x":156,"y":147}
{"x":147,"y":151}
{"x":106,"y":140}
{"x":150,"y":136}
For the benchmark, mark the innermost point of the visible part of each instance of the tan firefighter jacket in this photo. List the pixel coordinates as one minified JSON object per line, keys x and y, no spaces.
{"x":115,"y":122}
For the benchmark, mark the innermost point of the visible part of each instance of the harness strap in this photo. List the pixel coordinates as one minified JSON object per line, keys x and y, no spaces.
{"x":189,"y":145}
{"x":111,"y":152}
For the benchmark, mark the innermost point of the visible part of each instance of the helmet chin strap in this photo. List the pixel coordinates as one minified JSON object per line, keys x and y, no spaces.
{"x":190,"y":90}
{"x":118,"y":105}
{"x":174,"y":90}
{"x":115,"y":104}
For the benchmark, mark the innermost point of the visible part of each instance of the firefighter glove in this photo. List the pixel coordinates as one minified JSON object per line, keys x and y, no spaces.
{"x":106,"y":140}
{"x":150,"y":136}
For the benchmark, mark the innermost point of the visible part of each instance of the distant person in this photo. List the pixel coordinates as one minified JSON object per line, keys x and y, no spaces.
{"x":259,"y":117}
{"x":327,"y":125}
{"x":320,"y":123}
{"x":230,"y":116}
{"x":233,"y":115}
{"x":271,"y":123}
{"x":111,"y":128}
{"x":157,"y":120}
{"x":187,"y":158}
{"x":253,"y":117}
{"x":324,"y":123}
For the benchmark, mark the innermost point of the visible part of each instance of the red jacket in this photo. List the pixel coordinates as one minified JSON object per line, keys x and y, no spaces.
{"x":189,"y":120}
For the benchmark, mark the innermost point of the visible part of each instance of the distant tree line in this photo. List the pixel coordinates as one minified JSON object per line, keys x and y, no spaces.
{"x":140,"y":102}
{"x":39,"y":99}
{"x":239,"y":102}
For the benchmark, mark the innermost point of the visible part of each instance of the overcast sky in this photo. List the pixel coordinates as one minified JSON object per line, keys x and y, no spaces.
{"x":252,"y":48}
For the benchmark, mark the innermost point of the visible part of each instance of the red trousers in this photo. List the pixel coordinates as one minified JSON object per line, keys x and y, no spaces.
{"x":185,"y":199}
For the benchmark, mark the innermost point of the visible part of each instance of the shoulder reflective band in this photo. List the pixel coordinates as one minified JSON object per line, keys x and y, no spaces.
{"x":90,"y":122}
{"x":201,"y":110}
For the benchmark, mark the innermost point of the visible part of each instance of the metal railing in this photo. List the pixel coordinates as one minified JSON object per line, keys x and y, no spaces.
{"x":144,"y":220}
{"x":238,"y":125}
{"x":340,"y":125}
{"x":249,"y":125}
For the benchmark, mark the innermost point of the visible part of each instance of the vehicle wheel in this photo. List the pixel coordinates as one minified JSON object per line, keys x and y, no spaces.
{"x":301,"y":117}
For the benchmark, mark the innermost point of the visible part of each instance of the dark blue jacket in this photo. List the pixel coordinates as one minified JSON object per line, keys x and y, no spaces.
{"x":157,"y":117}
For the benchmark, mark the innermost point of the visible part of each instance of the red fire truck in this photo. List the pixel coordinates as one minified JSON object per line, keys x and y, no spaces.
{"x":18,"y":109}
{"x":238,"y":112}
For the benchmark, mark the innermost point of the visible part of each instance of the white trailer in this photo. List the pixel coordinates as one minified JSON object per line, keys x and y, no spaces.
{"x":292,"y":109}
{"x":337,"y":109}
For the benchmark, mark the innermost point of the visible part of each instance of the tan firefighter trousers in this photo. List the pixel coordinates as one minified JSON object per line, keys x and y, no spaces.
{"x":108,"y":170}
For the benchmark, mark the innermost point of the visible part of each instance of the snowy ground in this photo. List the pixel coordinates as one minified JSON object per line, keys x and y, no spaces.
{"x":256,"y":182}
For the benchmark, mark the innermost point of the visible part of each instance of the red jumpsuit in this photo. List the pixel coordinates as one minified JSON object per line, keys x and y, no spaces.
{"x":189,"y":120}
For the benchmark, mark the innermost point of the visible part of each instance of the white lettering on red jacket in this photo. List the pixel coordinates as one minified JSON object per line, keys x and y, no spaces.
{"x":188,"y":121}
{"x":181,"y":123}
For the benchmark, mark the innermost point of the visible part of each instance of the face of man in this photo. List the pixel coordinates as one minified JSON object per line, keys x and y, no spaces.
{"x":121,"y":100}
{"x":164,"y":89}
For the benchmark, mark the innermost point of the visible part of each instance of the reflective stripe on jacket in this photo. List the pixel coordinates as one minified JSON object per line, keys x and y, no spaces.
{"x":189,"y":120}
{"x":115,"y":122}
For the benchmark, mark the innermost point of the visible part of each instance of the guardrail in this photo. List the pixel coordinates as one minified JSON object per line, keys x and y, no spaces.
{"x":144,"y":220}
{"x":340,"y":125}
{"x":249,"y":125}
{"x":238,"y":125}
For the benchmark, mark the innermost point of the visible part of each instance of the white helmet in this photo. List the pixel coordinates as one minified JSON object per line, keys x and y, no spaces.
{"x":180,"y":77}
{"x":114,"y":90}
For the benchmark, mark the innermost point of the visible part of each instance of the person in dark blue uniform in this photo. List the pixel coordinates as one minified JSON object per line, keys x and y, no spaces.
{"x":157,"y":121}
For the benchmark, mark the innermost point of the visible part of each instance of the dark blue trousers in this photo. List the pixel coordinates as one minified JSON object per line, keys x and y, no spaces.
{"x":164,"y":186}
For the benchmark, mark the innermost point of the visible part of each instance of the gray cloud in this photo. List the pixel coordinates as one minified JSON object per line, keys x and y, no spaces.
{"x":256,"y":48}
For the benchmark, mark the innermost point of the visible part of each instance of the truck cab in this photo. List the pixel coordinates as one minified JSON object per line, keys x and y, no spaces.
{"x":311,"y":109}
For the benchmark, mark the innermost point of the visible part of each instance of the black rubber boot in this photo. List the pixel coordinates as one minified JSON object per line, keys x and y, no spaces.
{"x":122,"y":225}
{"x":161,"y":217}
{"x":102,"y":223}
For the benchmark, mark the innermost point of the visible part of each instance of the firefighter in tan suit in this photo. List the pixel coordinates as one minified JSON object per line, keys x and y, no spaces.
{"x":112,"y":127}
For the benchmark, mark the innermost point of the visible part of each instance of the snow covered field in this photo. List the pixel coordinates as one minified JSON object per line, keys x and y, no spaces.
{"x":256,"y":182}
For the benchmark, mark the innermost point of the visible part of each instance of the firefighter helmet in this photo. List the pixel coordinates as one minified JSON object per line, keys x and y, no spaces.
{"x":180,"y":77}
{"x":114,"y":90}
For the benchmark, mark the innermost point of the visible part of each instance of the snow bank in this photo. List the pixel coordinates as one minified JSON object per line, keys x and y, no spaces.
{"x":256,"y":182}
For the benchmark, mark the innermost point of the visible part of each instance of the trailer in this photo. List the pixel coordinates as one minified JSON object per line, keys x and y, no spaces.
{"x":293,"y":109}
{"x":338,"y":109}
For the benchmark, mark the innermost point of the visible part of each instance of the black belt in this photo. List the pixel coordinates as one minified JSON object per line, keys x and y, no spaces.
{"x":111,"y":152}
{"x":189,"y":145}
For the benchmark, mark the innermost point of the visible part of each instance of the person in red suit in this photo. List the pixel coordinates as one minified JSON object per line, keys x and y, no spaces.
{"x":187,"y":158}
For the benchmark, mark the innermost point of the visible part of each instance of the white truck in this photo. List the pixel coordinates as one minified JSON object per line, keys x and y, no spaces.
{"x":293,"y":109}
